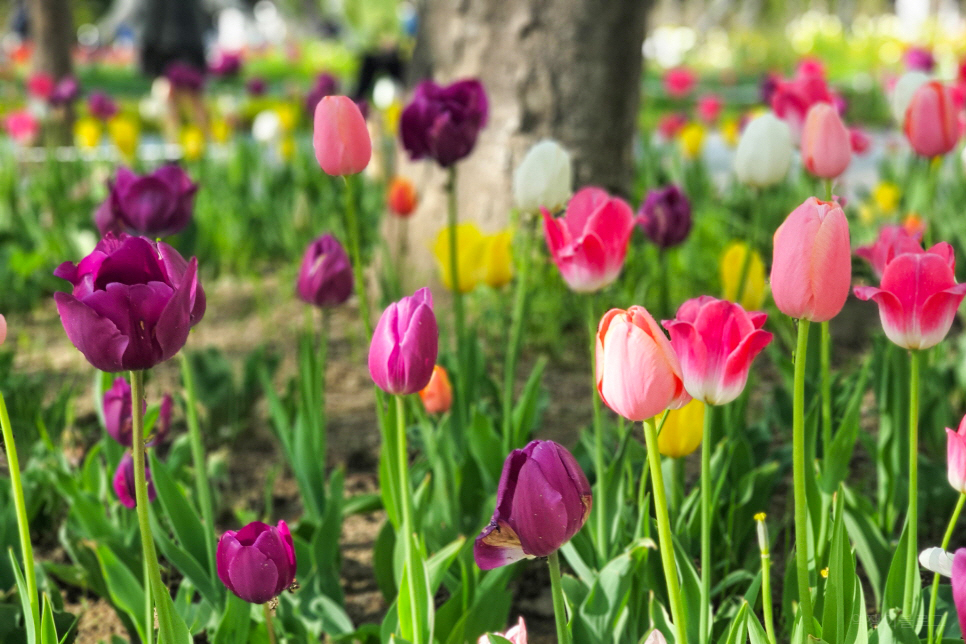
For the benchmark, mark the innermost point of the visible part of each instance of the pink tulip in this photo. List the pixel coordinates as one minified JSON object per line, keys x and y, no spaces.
{"x":516,"y":634}
{"x":892,"y":240}
{"x":40,"y":85}
{"x":811,"y":267}
{"x":340,"y":137}
{"x":679,"y":82}
{"x":956,"y":456}
{"x":918,"y":297}
{"x":709,"y":108}
{"x":931,"y":124}
{"x":959,"y":587}
{"x":22,"y":126}
{"x":716,"y":340}
{"x":826,"y":144}
{"x":792,"y":99}
{"x":589,"y":243}
{"x":638,"y":373}
{"x":859,"y":140}
{"x":3,"y":329}
{"x":670,"y":124}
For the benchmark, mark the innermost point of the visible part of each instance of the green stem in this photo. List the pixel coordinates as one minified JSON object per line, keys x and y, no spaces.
{"x":706,"y":485}
{"x":198,"y":457}
{"x":826,"y":387}
{"x":148,"y":607}
{"x":828,"y":190}
{"x":459,"y":320}
{"x":559,"y":608}
{"x":26,"y":548}
{"x":766,"y":600}
{"x":798,"y":464}
{"x":930,"y":634}
{"x":677,"y":484}
{"x":352,"y":227}
{"x":600,"y":523}
{"x":406,"y":501}
{"x":664,"y":533}
{"x":912,"y":556}
{"x":269,"y":625}
{"x":516,"y":332}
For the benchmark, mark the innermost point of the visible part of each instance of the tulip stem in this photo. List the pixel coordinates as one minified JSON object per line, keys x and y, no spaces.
{"x":828,"y":190}
{"x":269,"y":624}
{"x":912,"y":517}
{"x":766,"y":599}
{"x":352,"y":228}
{"x":935,"y":580}
{"x":706,"y":483}
{"x":798,"y":466}
{"x":406,"y":530}
{"x":825,"y":361}
{"x":516,"y":327}
{"x":559,"y":607}
{"x":664,"y":532}
{"x":26,"y":548}
{"x":148,"y":607}
{"x":600,"y":526}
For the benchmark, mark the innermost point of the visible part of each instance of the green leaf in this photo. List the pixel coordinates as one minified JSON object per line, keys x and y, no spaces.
{"x":235,"y":622}
{"x":182,"y":517}
{"x":30,"y":624}
{"x":172,"y":629}
{"x":895,"y":583}
{"x":497,"y":639}
{"x":125,"y":589}
{"x":527,"y":409}
{"x":837,"y":458}
{"x":211,"y":590}
{"x":438,"y":564}
{"x":48,"y":630}
{"x":756,"y":632}
{"x":415,"y":603}
{"x":736,"y":633}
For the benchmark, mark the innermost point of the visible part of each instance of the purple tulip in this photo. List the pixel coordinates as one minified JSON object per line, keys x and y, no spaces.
{"x":442,"y":123}
{"x":226,"y":64}
{"x":405,"y":344}
{"x":133,"y":303}
{"x":181,"y":75}
{"x":101,"y":105}
{"x":665,"y":216}
{"x":542,"y":502}
{"x":256,"y":86}
{"x":65,"y":91}
{"x":257,"y":562}
{"x":920,"y":59}
{"x":155,"y":205}
{"x":117,"y":412}
{"x":124,"y":482}
{"x":325,"y":85}
{"x":325,"y":278}
{"x":163,"y":426}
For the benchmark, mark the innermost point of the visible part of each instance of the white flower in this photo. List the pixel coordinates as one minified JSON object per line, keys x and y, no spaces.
{"x":902,"y":93}
{"x":937,"y":560}
{"x":764,"y":151}
{"x":656,"y":637}
{"x":267,"y":126}
{"x":543,"y":178}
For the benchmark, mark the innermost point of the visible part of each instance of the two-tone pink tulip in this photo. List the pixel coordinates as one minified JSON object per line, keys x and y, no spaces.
{"x":956,"y":456}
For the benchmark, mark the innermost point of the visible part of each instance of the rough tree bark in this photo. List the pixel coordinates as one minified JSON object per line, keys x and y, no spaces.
{"x":52,"y":30}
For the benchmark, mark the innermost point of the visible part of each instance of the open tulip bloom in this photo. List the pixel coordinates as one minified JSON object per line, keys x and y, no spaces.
{"x":443,"y":122}
{"x":157,"y":204}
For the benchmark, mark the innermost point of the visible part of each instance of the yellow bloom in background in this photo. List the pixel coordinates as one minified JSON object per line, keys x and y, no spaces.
{"x":286,"y":148}
{"x":497,"y":259}
{"x":87,"y":132}
{"x":732,"y":262}
{"x":220,"y":131}
{"x":482,"y":258}
{"x":886,"y":196}
{"x":682,"y":430}
{"x":288,"y":117}
{"x":391,"y":116}
{"x":192,"y":142}
{"x":691,"y":139}
{"x":866,"y":213}
{"x":731,"y":132}
{"x":124,"y":134}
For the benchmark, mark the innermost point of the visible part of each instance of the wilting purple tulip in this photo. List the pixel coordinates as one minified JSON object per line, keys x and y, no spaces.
{"x":182,"y":75}
{"x":65,"y":91}
{"x":101,"y":105}
{"x":543,"y":500}
{"x":124,"y":482}
{"x":665,"y":216}
{"x":256,"y":86}
{"x":325,"y":85}
{"x":442,"y":123}
{"x":405,"y":344}
{"x":155,"y":205}
{"x":133,"y":303}
{"x":325,"y":278}
{"x":257,"y":562}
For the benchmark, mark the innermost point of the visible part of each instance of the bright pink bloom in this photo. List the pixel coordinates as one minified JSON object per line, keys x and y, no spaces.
{"x":810,"y":68}
{"x":516,"y":634}
{"x":679,"y":82}
{"x":826,"y":145}
{"x":956,"y":456}
{"x":589,"y":243}
{"x":709,"y":108}
{"x":341,"y":138}
{"x":918,"y":297}
{"x":3,"y":329}
{"x":931,"y":124}
{"x":670,"y":124}
{"x":638,"y":373}
{"x":892,"y":240}
{"x":812,"y":264}
{"x":860,"y":140}
{"x":920,"y":59}
{"x":959,"y":587}
{"x":716,"y":340}
{"x":40,"y":85}
{"x":22,"y":126}
{"x":792,"y":99}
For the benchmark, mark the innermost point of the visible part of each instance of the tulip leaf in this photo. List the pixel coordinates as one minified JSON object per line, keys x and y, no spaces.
{"x":124,"y":588}
{"x":182,"y":517}
{"x":439,"y":563}
{"x":415,"y":603}
{"x":497,"y":639}
{"x":844,"y":612}
{"x":838,"y":455}
{"x":756,"y":632}
{"x":48,"y":630}
{"x":870,"y":545}
{"x":736,"y":632}
{"x":29,"y":622}
{"x":186,"y":564}
{"x":235,"y":622}
{"x":895,"y":582}
{"x":527,"y":410}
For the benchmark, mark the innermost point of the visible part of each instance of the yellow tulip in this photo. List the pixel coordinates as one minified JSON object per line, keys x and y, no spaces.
{"x":87,"y":132}
{"x":886,"y":196}
{"x":691,"y":138}
{"x":469,"y":251}
{"x":391,"y":116}
{"x":287,"y":117}
{"x":731,"y":132}
{"x":220,"y":131}
{"x":497,"y":259}
{"x":682,"y":430}
{"x":193,"y":142}
{"x":124,"y":134}
{"x":732,"y":262}
{"x":286,"y":148}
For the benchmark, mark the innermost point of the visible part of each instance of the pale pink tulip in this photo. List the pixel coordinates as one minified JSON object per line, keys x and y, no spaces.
{"x":956,"y":456}
{"x":340,"y":137}
{"x":516,"y":634}
{"x":931,"y":124}
{"x":826,"y":144}
{"x":892,"y":240}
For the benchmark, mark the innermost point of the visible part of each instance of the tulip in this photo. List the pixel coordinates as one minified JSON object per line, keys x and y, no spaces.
{"x":709,"y":108}
{"x":325,"y":277}
{"x":732,"y":264}
{"x":257,"y":562}
{"x":482,"y":258}
{"x":656,"y":637}
{"x":931,"y":121}
{"x":589,"y":243}
{"x":730,"y":132}
{"x":886,"y":196}
{"x":22,"y":126}
{"x":691,"y":140}
{"x":65,"y":91}
{"x":184,"y":76}
{"x":950,"y":565}
{"x":155,"y":205}
{"x":516,"y":634}
{"x":682,"y":430}
{"x":163,"y":425}
{"x":716,"y":341}
{"x":226,"y":63}
{"x":497,"y":260}
{"x":437,"y":396}
{"x":956,"y":457}
{"x":665,"y":216}
{"x":256,"y":86}
{"x":266,"y":126}
{"x":544,"y":178}
{"x":903,"y":91}
{"x":117,"y":411}
{"x":3,"y":329}
{"x":340,"y":137}
{"x":40,"y":85}
{"x":891,"y":242}
{"x":405,"y":345}
{"x":764,"y":152}
{"x":826,"y":146}
{"x":193,"y":142}
{"x":101,"y":106}
{"x":919,"y":59}
{"x":812,"y":267}
{"x":442,"y":123}
{"x":638,"y":373}
{"x":401,"y":197}
{"x":859,"y":141}
{"x":542,"y":501}
{"x":670,"y":124}
{"x":918,"y":297}
{"x":325,"y":85}
{"x":124,"y":134}
{"x":124,"y":482}
{"x":792,"y":99}
{"x":87,"y":133}
{"x":132,"y":304}
{"x":679,"y":82}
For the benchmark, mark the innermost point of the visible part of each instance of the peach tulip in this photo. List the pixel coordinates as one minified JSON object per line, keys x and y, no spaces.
{"x":826,"y":144}
{"x":930,"y":123}
{"x":437,"y":396}
{"x":340,"y":136}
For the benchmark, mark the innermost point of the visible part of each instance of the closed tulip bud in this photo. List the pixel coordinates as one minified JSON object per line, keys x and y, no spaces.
{"x":340,"y":137}
{"x":124,"y":482}
{"x":101,"y":106}
{"x":656,"y":637}
{"x":163,"y":425}
{"x":716,"y":341}
{"x":733,"y":262}
{"x":257,"y":562}
{"x":764,"y":152}
{"x":325,"y":277}
{"x":157,"y":204}
{"x":931,"y":121}
{"x":443,"y":122}
{"x":682,"y":430}
{"x":401,"y":197}
{"x":544,"y":178}
{"x":470,"y":242}
{"x":956,"y":457}
{"x":117,"y":412}
{"x":405,"y":345}
{"x":891,"y":242}
{"x":826,"y":145}
{"x":589,"y":243}
{"x":638,"y":373}
{"x":812,"y":263}
{"x":918,"y":297}
{"x":665,"y":216}
{"x":3,"y":329}
{"x":542,"y":501}
{"x":516,"y":634}
{"x":437,"y":396}
{"x":902,"y":93}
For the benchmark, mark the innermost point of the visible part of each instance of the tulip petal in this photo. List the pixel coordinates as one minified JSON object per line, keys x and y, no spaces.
{"x":497,"y":546}
{"x":97,"y":337}
{"x":270,"y":544}
{"x":738,"y":363}
{"x":539,"y":514}
{"x":959,"y":586}
{"x":133,"y":262}
{"x":174,"y":322}
{"x":253,"y":575}
{"x":228,"y":547}
{"x":891,"y":313}
{"x":938,"y":313}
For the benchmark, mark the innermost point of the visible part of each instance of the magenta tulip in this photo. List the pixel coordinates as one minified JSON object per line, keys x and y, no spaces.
{"x":325,"y":85}
{"x":442,"y":122}
{"x":959,"y":587}
{"x":185,"y":76}
{"x":157,"y":204}
{"x":405,"y":345}
{"x":956,"y":456}
{"x":340,"y":137}
{"x":892,"y":241}
{"x":257,"y":562}
{"x":124,"y":482}
{"x":932,"y":121}
{"x":101,"y":105}
{"x":325,"y":277}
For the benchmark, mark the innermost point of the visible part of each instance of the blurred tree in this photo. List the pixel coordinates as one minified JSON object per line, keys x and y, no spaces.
{"x":52,"y":30}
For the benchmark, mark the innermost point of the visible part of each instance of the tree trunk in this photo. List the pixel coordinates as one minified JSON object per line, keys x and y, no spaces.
{"x":52,"y":30}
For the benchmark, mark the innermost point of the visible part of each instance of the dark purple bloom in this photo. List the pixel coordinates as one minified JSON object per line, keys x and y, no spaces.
{"x":181,"y":75}
{"x":442,"y":123}
{"x":226,"y":64}
{"x":325,"y":278}
{"x":101,"y":105}
{"x":257,"y":562}
{"x":920,"y":59}
{"x":156,"y":204}
{"x":133,"y":303}
{"x":124,"y":482}
{"x":117,"y":412}
{"x":325,"y":85}
{"x":665,"y":216}
{"x":256,"y":86}
{"x":65,"y":91}
{"x":405,"y":345}
{"x":543,"y":500}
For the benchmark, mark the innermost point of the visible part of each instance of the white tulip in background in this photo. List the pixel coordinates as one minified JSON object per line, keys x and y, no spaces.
{"x":267,"y":126}
{"x":764,"y":151}
{"x":937,"y":560}
{"x":902,"y":93}
{"x":543,"y":178}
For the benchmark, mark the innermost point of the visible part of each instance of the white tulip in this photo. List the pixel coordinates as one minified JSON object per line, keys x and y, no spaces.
{"x":937,"y":560}
{"x":543,"y":178}
{"x":267,"y":126}
{"x":764,"y":151}
{"x":902,"y":93}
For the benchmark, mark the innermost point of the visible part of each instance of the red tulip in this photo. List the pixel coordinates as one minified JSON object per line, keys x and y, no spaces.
{"x":931,"y":124}
{"x":401,"y":197}
{"x":826,"y":144}
{"x":340,"y":137}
